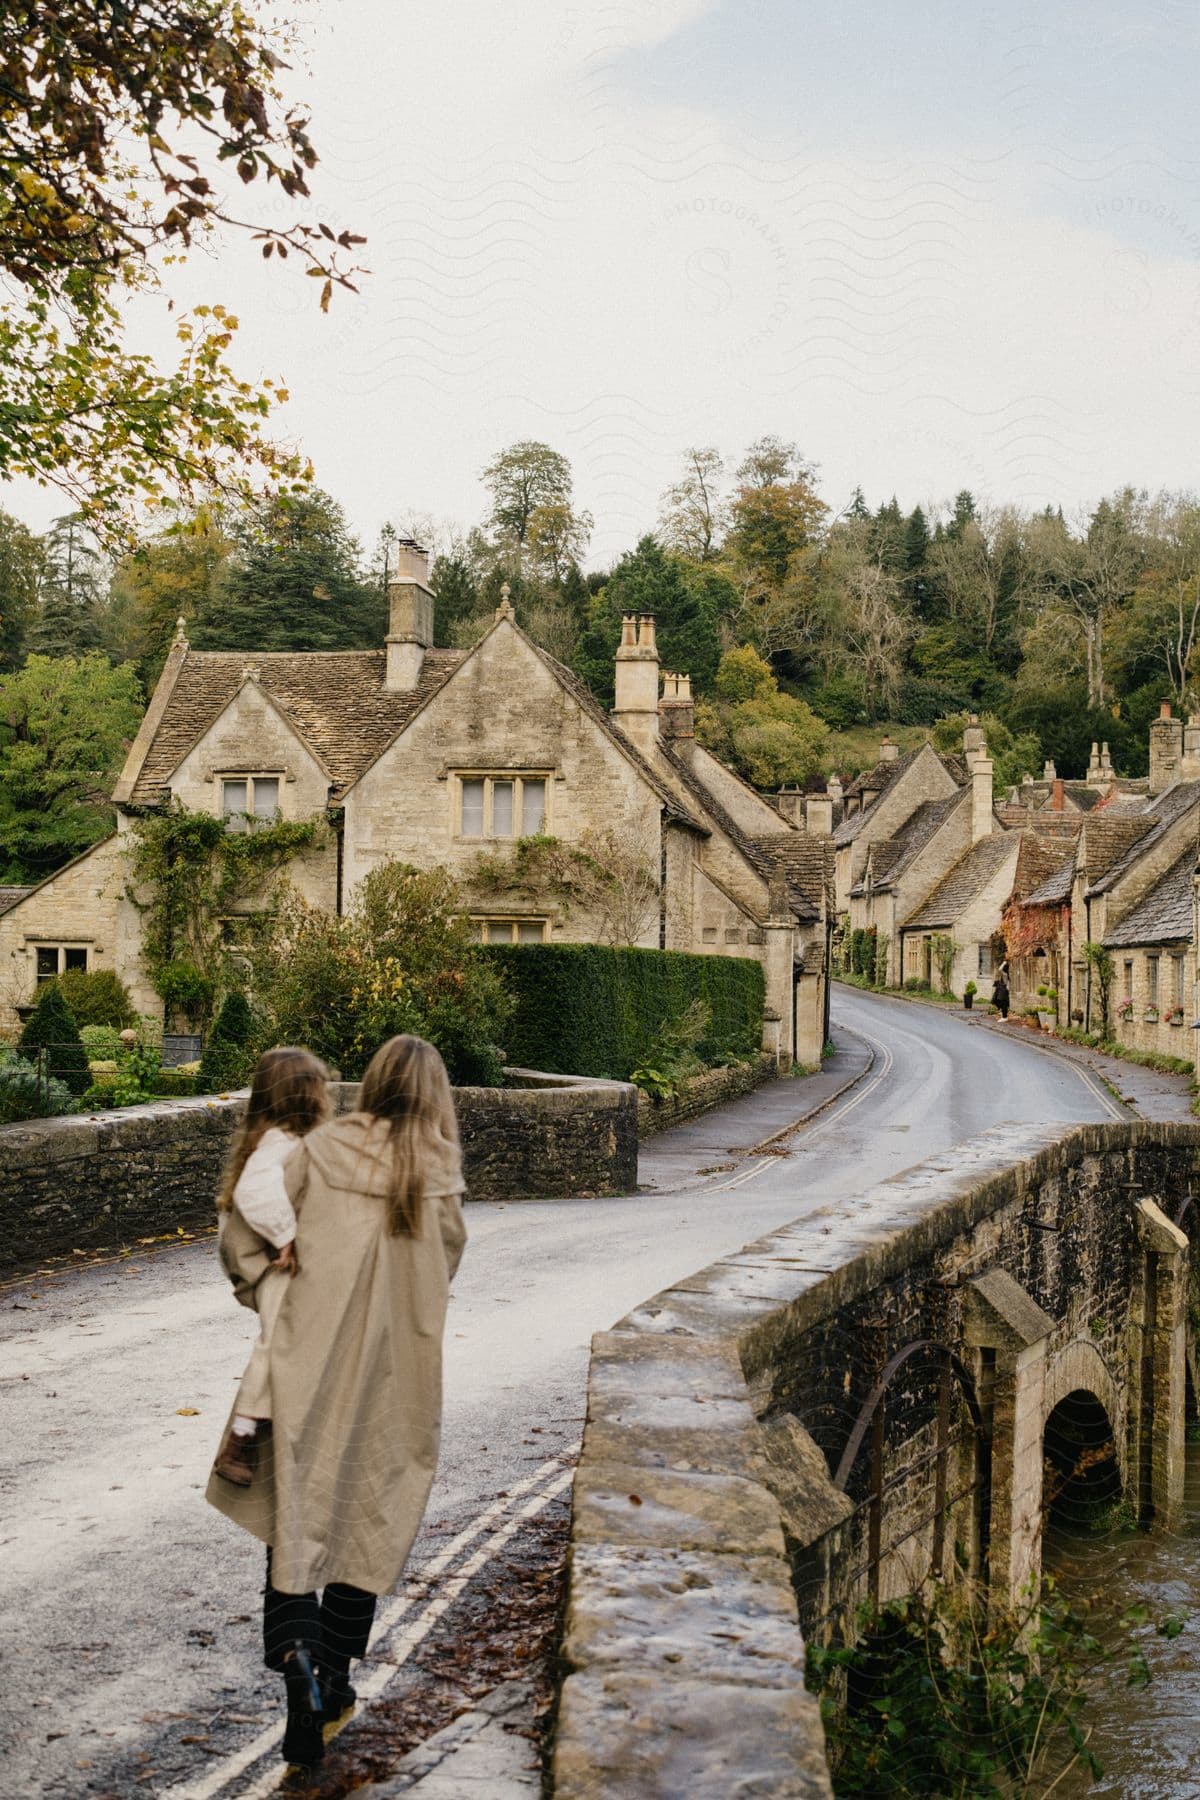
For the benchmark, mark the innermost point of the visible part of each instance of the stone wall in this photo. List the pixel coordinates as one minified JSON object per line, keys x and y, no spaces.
{"x":708,"y":1525}
{"x":107,"y":1179}
{"x":712,"y":1087}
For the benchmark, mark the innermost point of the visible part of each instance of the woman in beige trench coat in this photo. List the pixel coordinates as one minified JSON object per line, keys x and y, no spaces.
{"x":356,"y":1377}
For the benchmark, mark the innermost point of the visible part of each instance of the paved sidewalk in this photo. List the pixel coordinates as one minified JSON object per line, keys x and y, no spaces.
{"x":687,"y":1154}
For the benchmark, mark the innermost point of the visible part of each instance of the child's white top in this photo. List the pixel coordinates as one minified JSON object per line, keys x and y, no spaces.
{"x":260,"y":1195}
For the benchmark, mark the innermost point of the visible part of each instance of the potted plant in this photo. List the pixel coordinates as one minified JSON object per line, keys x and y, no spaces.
{"x":1174,"y":1014}
{"x":1047,"y":1008}
{"x":969,"y":993}
{"x":1151,"y":1015}
{"x":1124,"y":1008}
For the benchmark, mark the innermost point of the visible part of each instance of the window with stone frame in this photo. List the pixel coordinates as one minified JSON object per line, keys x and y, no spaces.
{"x":1127,"y":971}
{"x":248,"y":801}
{"x":500,"y":805}
{"x":1152,"y":981}
{"x":512,"y":931}
{"x":1177,"y":980}
{"x":985,"y":958}
{"x":55,"y":959}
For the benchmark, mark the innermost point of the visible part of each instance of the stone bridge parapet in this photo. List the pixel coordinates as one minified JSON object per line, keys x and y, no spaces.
{"x":843,"y":1408}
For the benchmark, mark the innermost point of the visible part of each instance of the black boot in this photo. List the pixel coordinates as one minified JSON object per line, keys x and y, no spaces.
{"x":337,"y":1696}
{"x":303,"y":1742}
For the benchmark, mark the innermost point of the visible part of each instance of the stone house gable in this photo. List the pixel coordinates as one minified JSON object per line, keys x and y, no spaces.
{"x":505,"y":712}
{"x":922,"y":775}
{"x":967,"y":907}
{"x":81,"y":917}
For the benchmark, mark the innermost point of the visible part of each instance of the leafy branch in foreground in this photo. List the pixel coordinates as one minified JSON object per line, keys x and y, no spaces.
{"x":117,"y":120}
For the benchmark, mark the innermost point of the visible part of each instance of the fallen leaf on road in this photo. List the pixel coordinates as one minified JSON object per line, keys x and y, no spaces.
{"x":187,"y":1412}
{"x":635,"y":1499}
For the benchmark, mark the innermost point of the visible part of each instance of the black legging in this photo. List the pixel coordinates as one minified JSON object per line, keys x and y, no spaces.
{"x":334,"y":1628}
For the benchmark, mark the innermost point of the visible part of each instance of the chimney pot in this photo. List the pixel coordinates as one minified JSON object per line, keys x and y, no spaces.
{"x":1164,"y":710}
{"x":410,"y":617}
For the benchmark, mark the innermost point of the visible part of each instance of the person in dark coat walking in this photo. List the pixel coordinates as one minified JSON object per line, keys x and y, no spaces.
{"x":1000,"y":990}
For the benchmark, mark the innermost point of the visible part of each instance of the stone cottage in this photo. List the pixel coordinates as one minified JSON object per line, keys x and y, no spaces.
{"x":445,"y":759}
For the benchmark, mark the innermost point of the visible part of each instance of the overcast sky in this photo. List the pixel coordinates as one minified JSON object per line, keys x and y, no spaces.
{"x":938,"y":246}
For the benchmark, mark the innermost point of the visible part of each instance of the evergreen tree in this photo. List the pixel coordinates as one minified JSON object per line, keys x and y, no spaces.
{"x":294,"y":583}
{"x":69,"y":617}
{"x":228,"y":1055}
{"x":22,"y":569}
{"x":51,"y":1027}
{"x":685,"y":600}
{"x":916,"y":549}
{"x":456,"y":596}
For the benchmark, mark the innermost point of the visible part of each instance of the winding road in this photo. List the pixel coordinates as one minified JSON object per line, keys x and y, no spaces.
{"x":131,"y":1662}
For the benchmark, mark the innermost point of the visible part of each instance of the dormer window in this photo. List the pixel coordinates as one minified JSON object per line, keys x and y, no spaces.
{"x":248,"y":801}
{"x":501,"y":805}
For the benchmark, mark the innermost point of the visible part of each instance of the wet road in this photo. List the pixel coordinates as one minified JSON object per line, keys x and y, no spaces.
{"x":134,"y":1668}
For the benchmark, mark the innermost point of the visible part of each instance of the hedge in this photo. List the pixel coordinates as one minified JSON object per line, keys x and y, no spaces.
{"x":588,"y":1009}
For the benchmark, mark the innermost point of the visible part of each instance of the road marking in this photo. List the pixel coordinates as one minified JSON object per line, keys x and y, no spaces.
{"x":862,"y":1093}
{"x":372,"y":1683}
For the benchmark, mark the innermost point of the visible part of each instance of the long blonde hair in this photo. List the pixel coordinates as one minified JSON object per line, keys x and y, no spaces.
{"x":407,"y":1085}
{"x":290,"y":1089}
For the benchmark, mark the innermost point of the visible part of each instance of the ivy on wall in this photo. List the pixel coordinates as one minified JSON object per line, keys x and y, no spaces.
{"x":188,"y":875}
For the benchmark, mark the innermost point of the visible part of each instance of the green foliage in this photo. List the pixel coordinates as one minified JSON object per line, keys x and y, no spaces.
{"x":1012,"y":756}
{"x":771,"y":738}
{"x":588,"y":1009}
{"x":293,"y":583}
{"x":944,"y":951}
{"x":138,"y":1071}
{"x":1103,"y":971}
{"x":401,"y":959}
{"x":686,"y":601}
{"x":674,"y":1055}
{"x":188,"y":875}
{"x":229,"y":1054}
{"x":97,"y":997}
{"x":25,"y":1093}
{"x":948,"y":1693}
{"x":102,"y":1043}
{"x":65,"y":724}
{"x":51,"y":1039}
{"x":22,"y":565}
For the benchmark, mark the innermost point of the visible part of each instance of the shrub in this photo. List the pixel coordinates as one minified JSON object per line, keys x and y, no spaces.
{"x":97,"y":997}
{"x":590,"y":1009}
{"x":402,"y":959}
{"x":26,"y":1094}
{"x":229,"y":1053}
{"x":174,"y":1081}
{"x":52,"y":1034}
{"x":102,"y":1043}
{"x":185,"y":988}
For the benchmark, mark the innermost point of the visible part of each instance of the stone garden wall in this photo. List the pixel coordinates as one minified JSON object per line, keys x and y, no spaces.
{"x":712,"y":1087}
{"x":106,"y":1179}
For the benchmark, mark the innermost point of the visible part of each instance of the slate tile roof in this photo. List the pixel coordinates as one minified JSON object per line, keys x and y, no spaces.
{"x":1055,"y":890}
{"x":807,"y":867}
{"x":1104,"y":869}
{"x":336,"y":699}
{"x":971,"y":873}
{"x":10,"y":896}
{"x":1164,"y":915}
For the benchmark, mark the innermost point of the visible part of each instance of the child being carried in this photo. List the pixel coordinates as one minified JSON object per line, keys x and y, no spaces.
{"x":257,"y":1229}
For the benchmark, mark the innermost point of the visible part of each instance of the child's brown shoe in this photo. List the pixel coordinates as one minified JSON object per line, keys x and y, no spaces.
{"x":237,"y":1459}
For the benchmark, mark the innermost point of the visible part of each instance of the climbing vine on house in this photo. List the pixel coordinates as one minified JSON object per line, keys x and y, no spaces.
{"x":188,"y":874}
{"x":944,"y":951}
{"x":610,"y":875}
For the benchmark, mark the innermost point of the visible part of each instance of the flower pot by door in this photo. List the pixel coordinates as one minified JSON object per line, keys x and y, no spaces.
{"x":968,"y":1001}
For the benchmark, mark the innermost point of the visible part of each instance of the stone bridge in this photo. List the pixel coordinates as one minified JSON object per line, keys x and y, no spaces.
{"x":845,"y":1409}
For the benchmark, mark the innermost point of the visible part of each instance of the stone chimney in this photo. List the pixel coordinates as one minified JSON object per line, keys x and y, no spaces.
{"x":974,"y":742}
{"x":1095,"y":771}
{"x":981,"y":798}
{"x":1106,"y":768}
{"x":677,"y":713}
{"x":410,"y":617}
{"x":636,"y":706}
{"x":790,"y":804}
{"x":889,"y":752}
{"x":819,"y":814}
{"x":833,"y":787}
{"x":1049,"y":772}
{"x":1189,"y":768}
{"x":1166,"y":749}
